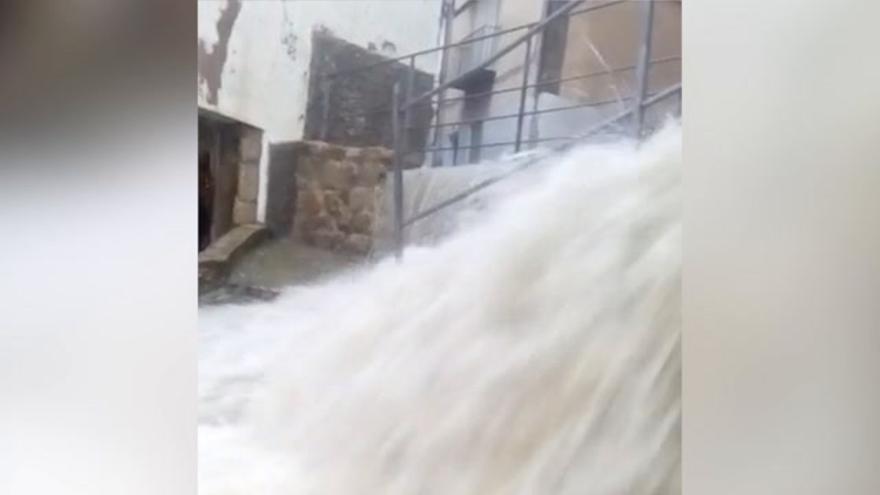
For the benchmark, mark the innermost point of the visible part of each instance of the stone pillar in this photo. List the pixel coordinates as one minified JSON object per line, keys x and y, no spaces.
{"x":250,"y":149}
{"x":339,"y":190}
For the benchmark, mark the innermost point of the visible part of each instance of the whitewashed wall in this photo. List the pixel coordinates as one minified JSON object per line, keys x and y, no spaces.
{"x":264,"y":79}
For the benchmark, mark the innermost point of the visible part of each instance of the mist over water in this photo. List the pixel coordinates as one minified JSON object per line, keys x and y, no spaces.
{"x":534,"y":351}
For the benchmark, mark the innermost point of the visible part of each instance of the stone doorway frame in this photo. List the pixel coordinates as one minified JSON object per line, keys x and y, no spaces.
{"x":235,"y":149}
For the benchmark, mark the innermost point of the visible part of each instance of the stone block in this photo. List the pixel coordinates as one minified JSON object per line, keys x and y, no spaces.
{"x":362,"y":223}
{"x":354,"y":154}
{"x":327,"y":239}
{"x":322,"y":150}
{"x":333,"y":201}
{"x":362,"y":198}
{"x":336,"y":174}
{"x":251,"y":144}
{"x":371,"y":173}
{"x":337,"y":209}
{"x":248,"y":181}
{"x":358,"y":243}
{"x":378,"y":153}
{"x":310,"y":202}
{"x":334,"y":152}
{"x":322,"y":221}
{"x":244,"y":212}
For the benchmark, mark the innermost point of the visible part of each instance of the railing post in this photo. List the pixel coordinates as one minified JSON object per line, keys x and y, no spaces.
{"x":522,"y":95}
{"x":401,"y":113}
{"x":398,"y":169}
{"x":448,"y":14}
{"x":642,"y":70}
{"x":325,"y":106}
{"x":407,"y":108}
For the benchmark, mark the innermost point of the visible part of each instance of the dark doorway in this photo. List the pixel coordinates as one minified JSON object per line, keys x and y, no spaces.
{"x":218,"y":172}
{"x":206,"y":198}
{"x":553,"y":45}
{"x":226,"y":165}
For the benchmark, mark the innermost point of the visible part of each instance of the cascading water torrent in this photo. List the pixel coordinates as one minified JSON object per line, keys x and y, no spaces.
{"x":533,"y":351}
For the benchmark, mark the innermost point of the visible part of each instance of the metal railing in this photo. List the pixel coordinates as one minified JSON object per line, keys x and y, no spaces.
{"x":408,"y":103}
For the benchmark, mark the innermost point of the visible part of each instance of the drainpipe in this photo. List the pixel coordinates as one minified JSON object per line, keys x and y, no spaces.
{"x":642,"y":70}
{"x":534,"y":135}
{"x":447,"y":17}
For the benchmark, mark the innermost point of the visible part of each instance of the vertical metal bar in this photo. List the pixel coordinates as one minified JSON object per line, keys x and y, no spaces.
{"x":539,"y":63}
{"x":325,"y":106}
{"x":448,"y":14}
{"x":410,"y":90}
{"x":522,"y":95}
{"x":401,"y":123}
{"x":398,"y":170}
{"x":642,"y":70}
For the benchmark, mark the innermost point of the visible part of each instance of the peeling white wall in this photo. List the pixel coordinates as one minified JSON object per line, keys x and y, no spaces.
{"x":265,"y":77}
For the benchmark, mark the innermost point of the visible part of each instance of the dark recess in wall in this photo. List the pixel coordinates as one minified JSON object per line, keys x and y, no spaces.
{"x":219,"y":140}
{"x":359,"y":112}
{"x":281,"y":194}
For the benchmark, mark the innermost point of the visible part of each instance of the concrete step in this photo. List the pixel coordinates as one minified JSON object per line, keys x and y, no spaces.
{"x":217,"y":259}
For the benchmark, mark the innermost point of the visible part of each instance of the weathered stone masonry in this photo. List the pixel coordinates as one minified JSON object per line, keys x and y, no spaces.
{"x":339,"y":191}
{"x":359,"y":103}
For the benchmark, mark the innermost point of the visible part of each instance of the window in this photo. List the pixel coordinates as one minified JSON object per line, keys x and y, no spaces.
{"x":484,"y":13}
{"x":553,"y":49}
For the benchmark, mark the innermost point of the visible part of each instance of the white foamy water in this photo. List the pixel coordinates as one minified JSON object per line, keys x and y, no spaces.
{"x":535,"y":351}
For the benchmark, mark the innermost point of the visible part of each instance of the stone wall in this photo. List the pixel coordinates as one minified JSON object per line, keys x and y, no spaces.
{"x":359,"y":103}
{"x":339,"y":192}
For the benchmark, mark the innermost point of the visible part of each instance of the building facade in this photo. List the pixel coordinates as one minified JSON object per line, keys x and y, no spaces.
{"x":579,"y":71}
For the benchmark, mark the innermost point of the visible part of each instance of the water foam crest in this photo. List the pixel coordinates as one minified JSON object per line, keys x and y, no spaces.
{"x":535,"y":351}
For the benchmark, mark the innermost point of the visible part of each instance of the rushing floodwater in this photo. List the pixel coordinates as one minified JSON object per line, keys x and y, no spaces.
{"x":535,"y":351}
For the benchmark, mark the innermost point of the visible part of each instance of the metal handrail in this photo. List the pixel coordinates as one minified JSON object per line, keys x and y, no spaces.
{"x":404,"y":102}
{"x":532,"y":112}
{"x":488,"y":145}
{"x":529,"y":161}
{"x":464,"y":42}
{"x":544,"y":82}
{"x":384,"y":108}
{"x":535,"y":29}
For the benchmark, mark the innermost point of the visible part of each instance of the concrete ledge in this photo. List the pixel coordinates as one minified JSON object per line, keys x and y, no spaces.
{"x":238,"y":294}
{"x":217,"y":259}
